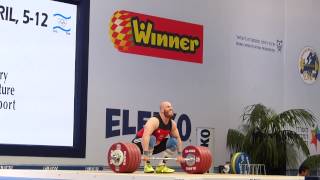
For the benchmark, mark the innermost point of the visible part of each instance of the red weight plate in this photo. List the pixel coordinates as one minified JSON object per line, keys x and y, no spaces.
{"x":109,"y":155}
{"x":132,"y":159}
{"x":121,"y":164}
{"x":208,"y":157}
{"x":192,"y":152}
{"x":138,"y":157}
{"x":185,"y":166}
{"x":204,"y":160}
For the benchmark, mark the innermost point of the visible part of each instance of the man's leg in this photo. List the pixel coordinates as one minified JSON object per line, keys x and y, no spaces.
{"x":171,"y":147}
{"x":147,"y":166}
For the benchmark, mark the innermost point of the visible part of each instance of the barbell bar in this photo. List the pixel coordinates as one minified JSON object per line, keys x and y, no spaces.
{"x":168,"y":158}
{"x":116,"y":157}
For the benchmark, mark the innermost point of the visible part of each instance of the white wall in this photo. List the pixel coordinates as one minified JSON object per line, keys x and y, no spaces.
{"x":301,"y":31}
{"x":246,"y":75}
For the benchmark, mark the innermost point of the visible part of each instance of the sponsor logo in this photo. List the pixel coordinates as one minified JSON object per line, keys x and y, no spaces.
{"x":204,"y":137}
{"x":258,"y":43}
{"x":308,"y":65}
{"x":141,"y":34}
{"x":118,"y":122}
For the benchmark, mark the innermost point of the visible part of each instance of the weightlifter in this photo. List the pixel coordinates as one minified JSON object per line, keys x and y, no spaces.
{"x":159,"y":134}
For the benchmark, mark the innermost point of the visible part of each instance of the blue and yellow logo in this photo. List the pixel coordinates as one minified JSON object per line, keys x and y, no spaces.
{"x":308,"y":65}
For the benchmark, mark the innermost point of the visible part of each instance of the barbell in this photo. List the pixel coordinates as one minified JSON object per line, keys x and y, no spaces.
{"x":126,"y":158}
{"x":167,"y":158}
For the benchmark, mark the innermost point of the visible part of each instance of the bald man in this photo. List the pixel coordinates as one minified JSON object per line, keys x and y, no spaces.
{"x":304,"y":170}
{"x":159,"y":134}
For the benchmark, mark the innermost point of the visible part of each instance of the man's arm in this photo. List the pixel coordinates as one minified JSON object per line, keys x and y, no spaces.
{"x":150,"y":126}
{"x":175,"y":134}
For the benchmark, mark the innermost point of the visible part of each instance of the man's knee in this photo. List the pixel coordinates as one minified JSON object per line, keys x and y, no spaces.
{"x":152,"y":141}
{"x":172,"y":144}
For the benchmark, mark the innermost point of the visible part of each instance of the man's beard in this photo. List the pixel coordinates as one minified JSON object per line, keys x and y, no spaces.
{"x":168,"y":114}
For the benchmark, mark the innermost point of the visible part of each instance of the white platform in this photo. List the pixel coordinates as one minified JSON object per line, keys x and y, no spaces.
{"x":108,"y":175}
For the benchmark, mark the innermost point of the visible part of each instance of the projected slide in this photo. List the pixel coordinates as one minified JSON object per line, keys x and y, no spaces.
{"x":37,"y":72}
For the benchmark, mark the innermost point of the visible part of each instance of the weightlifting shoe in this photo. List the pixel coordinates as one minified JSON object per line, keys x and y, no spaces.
{"x":148,"y":168}
{"x":164,"y":169}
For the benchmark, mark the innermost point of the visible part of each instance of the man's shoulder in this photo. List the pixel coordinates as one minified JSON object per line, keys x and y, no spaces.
{"x":156,"y":116}
{"x":154,"y":120}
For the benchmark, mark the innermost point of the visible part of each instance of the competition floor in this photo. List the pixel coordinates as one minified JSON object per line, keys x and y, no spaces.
{"x":108,"y":175}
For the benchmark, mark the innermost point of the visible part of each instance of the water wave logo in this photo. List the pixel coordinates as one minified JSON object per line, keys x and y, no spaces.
{"x":62,"y":23}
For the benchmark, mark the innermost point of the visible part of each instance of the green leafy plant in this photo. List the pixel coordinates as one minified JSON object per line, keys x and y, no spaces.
{"x":269,"y":138}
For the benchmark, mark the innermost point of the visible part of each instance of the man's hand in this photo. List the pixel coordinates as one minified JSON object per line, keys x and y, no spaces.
{"x":145,"y":158}
{"x":180,"y":159}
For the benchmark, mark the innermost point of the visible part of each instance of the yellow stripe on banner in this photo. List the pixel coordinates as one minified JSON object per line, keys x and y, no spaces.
{"x":121,"y":36}
{"x":111,"y":26}
{"x":128,"y":20}
{"x":118,"y":22}
{"x":123,"y":43}
{"x":110,"y":34}
{"x":117,"y":14}
{"x":129,"y":32}
{"x":119,"y":29}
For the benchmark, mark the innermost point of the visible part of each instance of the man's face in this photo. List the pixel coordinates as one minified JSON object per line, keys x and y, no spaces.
{"x":305,"y":173}
{"x":168,"y":110}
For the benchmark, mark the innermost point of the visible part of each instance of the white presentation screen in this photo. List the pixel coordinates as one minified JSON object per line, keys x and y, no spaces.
{"x":37,"y":72}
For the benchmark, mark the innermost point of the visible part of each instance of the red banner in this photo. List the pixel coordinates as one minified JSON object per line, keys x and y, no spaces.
{"x":158,"y":37}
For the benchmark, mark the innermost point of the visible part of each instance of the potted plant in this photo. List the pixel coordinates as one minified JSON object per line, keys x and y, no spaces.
{"x":269,"y":137}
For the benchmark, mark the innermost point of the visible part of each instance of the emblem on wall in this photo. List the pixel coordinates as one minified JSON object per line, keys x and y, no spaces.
{"x":308,"y":65}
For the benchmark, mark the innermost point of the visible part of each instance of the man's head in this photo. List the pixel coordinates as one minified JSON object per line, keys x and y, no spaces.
{"x":304,"y":170}
{"x":166,"y":109}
